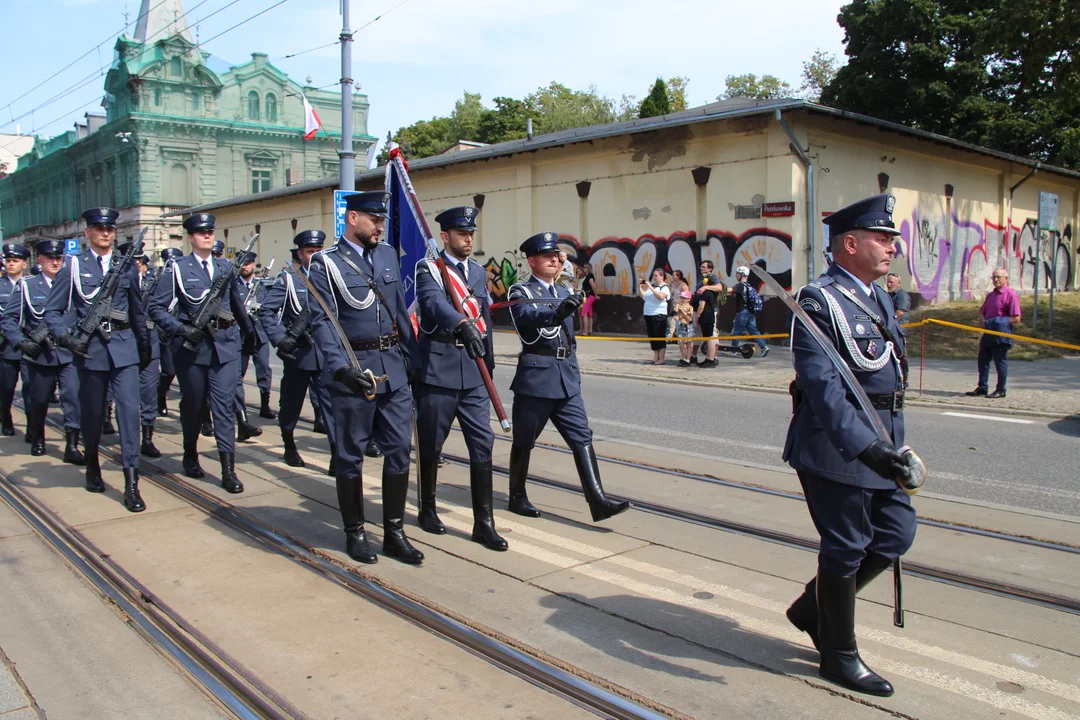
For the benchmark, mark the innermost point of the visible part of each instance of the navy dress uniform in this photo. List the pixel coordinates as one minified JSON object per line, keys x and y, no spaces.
{"x":865,"y":520}
{"x":209,"y":373}
{"x":150,"y":375}
{"x":258,"y":350}
{"x":547,"y":385}
{"x":450,"y":385}
{"x":285,"y":318}
{"x":11,"y":367}
{"x":113,"y":354}
{"x":168,"y":369}
{"x":362,"y":286}
{"x":24,"y":315}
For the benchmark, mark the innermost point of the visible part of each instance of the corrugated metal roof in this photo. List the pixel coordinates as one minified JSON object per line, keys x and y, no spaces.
{"x":723,"y":110}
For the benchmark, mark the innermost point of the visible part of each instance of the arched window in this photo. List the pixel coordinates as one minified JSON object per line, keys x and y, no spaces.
{"x":271,"y":108}
{"x":253,"y":105}
{"x":157,"y":97}
{"x":178,"y":185}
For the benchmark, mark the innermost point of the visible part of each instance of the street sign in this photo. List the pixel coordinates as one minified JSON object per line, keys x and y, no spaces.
{"x":339,"y":211}
{"x":778,"y":209}
{"x":1048,"y":211}
{"x":71,"y":246}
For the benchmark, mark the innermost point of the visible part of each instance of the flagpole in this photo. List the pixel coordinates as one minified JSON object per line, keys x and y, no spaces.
{"x":347,"y":164}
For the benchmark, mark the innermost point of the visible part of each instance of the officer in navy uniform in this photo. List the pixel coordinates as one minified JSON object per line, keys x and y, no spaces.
{"x":113,"y":355}
{"x":209,"y":373}
{"x":360,"y":280}
{"x":450,"y":383}
{"x":547,"y":384}
{"x":207,"y":427}
{"x":149,"y":376}
{"x":23,"y":313}
{"x":849,"y":475}
{"x":256,"y":347}
{"x":218,"y":249}
{"x":11,"y":367}
{"x":168,"y":370}
{"x":282,"y":315}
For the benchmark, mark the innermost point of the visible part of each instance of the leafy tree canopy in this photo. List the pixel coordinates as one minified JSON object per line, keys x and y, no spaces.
{"x":750,"y":85}
{"x":657,"y":103}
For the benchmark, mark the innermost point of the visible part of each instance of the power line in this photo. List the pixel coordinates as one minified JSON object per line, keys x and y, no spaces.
{"x":242,"y":22}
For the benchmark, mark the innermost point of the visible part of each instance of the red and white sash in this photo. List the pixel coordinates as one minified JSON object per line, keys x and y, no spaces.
{"x":469,"y":302}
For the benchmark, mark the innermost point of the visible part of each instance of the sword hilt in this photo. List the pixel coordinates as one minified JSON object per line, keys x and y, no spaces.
{"x":918,"y":472}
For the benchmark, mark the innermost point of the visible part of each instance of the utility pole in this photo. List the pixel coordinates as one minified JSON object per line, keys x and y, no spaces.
{"x":347,"y":164}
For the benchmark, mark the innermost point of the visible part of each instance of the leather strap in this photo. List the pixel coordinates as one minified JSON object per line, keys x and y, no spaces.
{"x":383,"y":342}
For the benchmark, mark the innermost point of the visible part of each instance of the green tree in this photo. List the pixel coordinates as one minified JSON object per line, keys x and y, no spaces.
{"x":557,"y":107}
{"x":505,"y":122}
{"x":676,"y":90}
{"x":817,"y":73}
{"x":767,"y":87}
{"x":421,"y":139}
{"x":465,"y":120}
{"x":629,"y":107}
{"x":657,"y":103}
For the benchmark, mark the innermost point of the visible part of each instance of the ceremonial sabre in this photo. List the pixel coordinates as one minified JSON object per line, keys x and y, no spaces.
{"x":375,"y":379}
{"x":918,"y":467}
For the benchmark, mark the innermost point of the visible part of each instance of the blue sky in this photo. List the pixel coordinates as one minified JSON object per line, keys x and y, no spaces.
{"x":420,"y":56}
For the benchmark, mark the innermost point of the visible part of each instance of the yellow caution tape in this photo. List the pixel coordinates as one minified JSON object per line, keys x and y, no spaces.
{"x":983,"y":331}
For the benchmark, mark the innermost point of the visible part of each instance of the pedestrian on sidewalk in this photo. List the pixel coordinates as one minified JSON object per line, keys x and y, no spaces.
{"x":707,"y":299}
{"x":900,"y":299}
{"x":1000,"y":311}
{"x":747,"y":305}
{"x":655,"y":293}
{"x":678,"y":285}
{"x":588,"y":287}
{"x":684,"y":327}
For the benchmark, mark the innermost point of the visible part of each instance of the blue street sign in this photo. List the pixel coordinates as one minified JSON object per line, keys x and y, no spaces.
{"x":339,"y":211}
{"x":71,"y":246}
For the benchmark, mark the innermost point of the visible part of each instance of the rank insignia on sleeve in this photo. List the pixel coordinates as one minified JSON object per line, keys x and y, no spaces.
{"x":811,"y":304}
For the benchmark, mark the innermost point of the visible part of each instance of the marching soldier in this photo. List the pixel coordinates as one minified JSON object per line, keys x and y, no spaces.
{"x":252,"y":291}
{"x":168,"y":370}
{"x":112,"y":356}
{"x":285,"y":317}
{"x":547,"y":384}
{"x":849,"y":475}
{"x":11,"y":367}
{"x":360,"y":280}
{"x":149,"y":376}
{"x":208,"y":374}
{"x":24,"y":327}
{"x":450,"y":383}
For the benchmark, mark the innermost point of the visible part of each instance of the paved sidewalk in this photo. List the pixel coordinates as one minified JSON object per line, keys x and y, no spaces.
{"x":1050,"y":387}
{"x":14,"y":702}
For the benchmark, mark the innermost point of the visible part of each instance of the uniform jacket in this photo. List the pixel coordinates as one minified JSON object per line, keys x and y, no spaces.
{"x":443,"y":364}
{"x":828,"y":430}
{"x":24,"y":310}
{"x":360,"y":313}
{"x":543,"y":376}
{"x":285,"y":300}
{"x":76,"y":286}
{"x":261,"y":288}
{"x":145,"y":283}
{"x":183,"y":291}
{"x":8,"y":351}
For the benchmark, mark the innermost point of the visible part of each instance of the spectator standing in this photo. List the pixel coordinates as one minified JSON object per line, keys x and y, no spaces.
{"x":900,"y":299}
{"x":678,"y":285}
{"x":588,"y":286}
{"x":566,"y":274}
{"x":684,"y":327}
{"x":656,"y":294}
{"x":1000,"y":311}
{"x":745,"y":310}
{"x":706,"y":299}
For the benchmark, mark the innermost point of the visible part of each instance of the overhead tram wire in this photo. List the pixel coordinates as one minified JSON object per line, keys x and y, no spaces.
{"x":338,"y":42}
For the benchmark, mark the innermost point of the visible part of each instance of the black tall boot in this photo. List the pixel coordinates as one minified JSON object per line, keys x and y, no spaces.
{"x":132,"y":499}
{"x":191,"y":462}
{"x":319,"y":426}
{"x":265,"y":411}
{"x":229,"y":481}
{"x":107,"y":427}
{"x":72,"y":454}
{"x":350,"y":493}
{"x":94,"y":483}
{"x":394,"y":488}
{"x":148,"y":448}
{"x":803,"y":613}
{"x":372,"y":450}
{"x":163,"y":395}
{"x":519,"y":470}
{"x":7,"y":424}
{"x":207,"y":429}
{"x":332,"y":469}
{"x":483,"y":529}
{"x":292,"y":455}
{"x":35,"y":425}
{"x":840,"y":661}
{"x":37,"y":444}
{"x":428,"y":517}
{"x":589,"y":472}
{"x":244,"y":429}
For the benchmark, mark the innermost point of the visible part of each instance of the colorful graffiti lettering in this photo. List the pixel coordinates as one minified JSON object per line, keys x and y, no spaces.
{"x":502,"y":274}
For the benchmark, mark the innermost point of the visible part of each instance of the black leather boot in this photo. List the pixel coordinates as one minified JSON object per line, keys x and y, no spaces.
{"x":7,"y":424}
{"x":428,"y":517}
{"x":803,"y":613}
{"x":37,"y":444}
{"x":350,"y":492}
{"x":589,"y":472}
{"x":483,"y":529}
{"x":372,"y":450}
{"x":132,"y":499}
{"x":35,"y":427}
{"x":840,"y":661}
{"x":163,"y":395}
{"x":94,"y":483}
{"x":519,"y":470}
{"x":319,"y":426}
{"x":148,"y":449}
{"x":191,"y":463}
{"x":394,"y":488}
{"x":332,"y":469}
{"x":292,"y":455}
{"x":72,"y":454}
{"x":107,"y":427}
{"x":207,"y":429}
{"x":244,"y":429}
{"x":265,"y":411}
{"x":229,"y":481}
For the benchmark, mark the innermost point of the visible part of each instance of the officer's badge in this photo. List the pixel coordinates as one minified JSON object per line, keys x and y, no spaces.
{"x":871,"y":348}
{"x":385,"y":198}
{"x":103,"y":212}
{"x":860,"y":329}
{"x":468,"y":212}
{"x":547,"y":236}
{"x":890,"y":203}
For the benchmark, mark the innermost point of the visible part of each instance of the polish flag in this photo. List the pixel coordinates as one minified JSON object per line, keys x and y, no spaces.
{"x":311,"y":120}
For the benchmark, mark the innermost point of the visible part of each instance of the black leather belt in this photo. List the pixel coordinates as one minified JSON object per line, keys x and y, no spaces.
{"x":892,"y":401}
{"x":446,"y":338}
{"x":221,"y":323}
{"x":383,"y":343}
{"x":559,"y":353}
{"x":114,"y":325}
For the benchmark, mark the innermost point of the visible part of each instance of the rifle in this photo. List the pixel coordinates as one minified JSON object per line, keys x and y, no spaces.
{"x":149,"y":292}
{"x":210,"y":308}
{"x":100,"y":311}
{"x":253,"y":291}
{"x":41,"y":336}
{"x":298,"y":328}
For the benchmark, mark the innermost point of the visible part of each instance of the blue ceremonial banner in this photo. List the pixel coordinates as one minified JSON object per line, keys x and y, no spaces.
{"x":404,"y":233}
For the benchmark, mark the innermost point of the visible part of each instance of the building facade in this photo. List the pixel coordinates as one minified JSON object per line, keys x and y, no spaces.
{"x":180,"y":128}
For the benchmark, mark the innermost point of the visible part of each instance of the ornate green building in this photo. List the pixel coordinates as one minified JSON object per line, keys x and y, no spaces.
{"x":180,"y":128}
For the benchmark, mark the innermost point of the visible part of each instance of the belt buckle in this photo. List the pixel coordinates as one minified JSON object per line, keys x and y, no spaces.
{"x":897,"y":401}
{"x":106,"y":325}
{"x":384,"y":343}
{"x":560,"y":353}
{"x":458,"y":343}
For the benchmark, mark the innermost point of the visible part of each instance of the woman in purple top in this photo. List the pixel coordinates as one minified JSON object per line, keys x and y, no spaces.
{"x":1000,"y":311}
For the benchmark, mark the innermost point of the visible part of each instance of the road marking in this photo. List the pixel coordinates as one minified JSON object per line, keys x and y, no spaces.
{"x":710,"y":439}
{"x":1018,"y":421}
